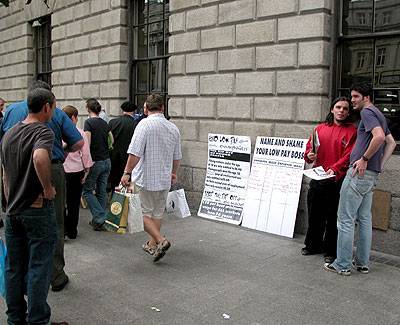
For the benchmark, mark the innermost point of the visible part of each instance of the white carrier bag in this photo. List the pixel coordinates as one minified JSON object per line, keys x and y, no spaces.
{"x":177,"y":205}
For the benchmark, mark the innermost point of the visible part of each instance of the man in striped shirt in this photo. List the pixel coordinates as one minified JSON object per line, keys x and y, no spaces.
{"x":154,"y":158}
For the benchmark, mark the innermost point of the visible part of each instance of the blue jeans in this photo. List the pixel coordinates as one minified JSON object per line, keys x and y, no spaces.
{"x":31,"y":238}
{"x":355,"y":204}
{"x":97,"y":181}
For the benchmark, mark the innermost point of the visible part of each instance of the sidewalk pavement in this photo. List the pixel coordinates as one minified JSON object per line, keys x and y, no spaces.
{"x":215,"y":273}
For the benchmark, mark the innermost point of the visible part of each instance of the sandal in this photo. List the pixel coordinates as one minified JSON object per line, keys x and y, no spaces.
{"x":149,"y":249}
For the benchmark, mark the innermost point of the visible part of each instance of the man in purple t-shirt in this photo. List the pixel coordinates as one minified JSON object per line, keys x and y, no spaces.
{"x":373,"y":147}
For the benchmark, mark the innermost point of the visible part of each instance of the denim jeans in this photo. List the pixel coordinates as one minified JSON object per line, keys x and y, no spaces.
{"x":355,"y":204}
{"x":31,"y":238}
{"x":97,"y":181}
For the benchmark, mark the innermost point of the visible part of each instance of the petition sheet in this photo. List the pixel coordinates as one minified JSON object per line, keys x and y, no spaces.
{"x":228,"y":169}
{"x":274,"y":185}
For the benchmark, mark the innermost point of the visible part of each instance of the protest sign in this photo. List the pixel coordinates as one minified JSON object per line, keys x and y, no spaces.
{"x":274,"y":185}
{"x":228,"y":169}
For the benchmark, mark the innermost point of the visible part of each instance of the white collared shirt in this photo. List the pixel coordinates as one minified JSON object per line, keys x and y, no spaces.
{"x":157,"y":142}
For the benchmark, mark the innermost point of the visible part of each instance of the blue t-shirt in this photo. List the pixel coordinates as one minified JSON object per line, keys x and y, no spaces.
{"x":371,"y":117}
{"x":60,"y":123}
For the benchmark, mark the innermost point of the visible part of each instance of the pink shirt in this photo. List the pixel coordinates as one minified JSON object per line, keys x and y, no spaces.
{"x":79,"y":160}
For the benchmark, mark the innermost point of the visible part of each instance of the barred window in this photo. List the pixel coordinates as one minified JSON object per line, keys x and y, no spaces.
{"x":42,"y":48}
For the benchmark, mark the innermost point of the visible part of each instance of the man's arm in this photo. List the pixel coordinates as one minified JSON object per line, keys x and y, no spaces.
{"x":174,"y":173}
{"x":390,"y":146}
{"x":378,"y":138}
{"x":130,"y":165}
{"x":42,"y":163}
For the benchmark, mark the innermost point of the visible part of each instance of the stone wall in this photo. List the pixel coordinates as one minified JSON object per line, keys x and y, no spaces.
{"x":255,"y":67}
{"x":89,"y":51}
{"x":246,"y":67}
{"x":16,"y":55}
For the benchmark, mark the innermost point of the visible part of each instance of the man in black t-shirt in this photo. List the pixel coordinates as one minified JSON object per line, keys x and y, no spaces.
{"x":31,"y":227}
{"x":122,"y":129}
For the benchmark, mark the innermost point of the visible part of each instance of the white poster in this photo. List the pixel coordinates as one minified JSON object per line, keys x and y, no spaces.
{"x":228,"y":169}
{"x":274,"y":185}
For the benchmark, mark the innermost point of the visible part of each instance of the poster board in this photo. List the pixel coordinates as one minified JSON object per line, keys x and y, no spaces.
{"x":228,"y":169}
{"x":274,"y":185}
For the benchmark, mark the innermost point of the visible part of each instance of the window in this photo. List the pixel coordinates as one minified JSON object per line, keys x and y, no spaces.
{"x":149,"y":50}
{"x":370,"y":53}
{"x":42,"y":42}
{"x":380,"y":57}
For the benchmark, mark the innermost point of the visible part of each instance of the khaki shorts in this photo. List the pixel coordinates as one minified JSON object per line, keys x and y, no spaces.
{"x":153,"y":202}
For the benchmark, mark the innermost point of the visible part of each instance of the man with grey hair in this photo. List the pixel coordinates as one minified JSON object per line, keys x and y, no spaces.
{"x":153,"y":162}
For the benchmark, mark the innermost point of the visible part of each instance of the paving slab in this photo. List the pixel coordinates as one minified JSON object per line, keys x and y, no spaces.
{"x":214,"y":269}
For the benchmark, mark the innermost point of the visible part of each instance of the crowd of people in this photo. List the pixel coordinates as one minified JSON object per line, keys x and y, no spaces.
{"x":48,"y":163}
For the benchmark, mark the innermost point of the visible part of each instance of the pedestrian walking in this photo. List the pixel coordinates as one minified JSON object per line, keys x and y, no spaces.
{"x":153,"y":162}
{"x":97,"y":132}
{"x":76,"y":166}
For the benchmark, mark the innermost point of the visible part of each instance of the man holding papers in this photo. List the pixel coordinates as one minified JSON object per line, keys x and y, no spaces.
{"x":329,"y":147}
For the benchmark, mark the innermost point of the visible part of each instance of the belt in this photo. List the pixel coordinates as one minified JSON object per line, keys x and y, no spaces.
{"x":56,"y":161}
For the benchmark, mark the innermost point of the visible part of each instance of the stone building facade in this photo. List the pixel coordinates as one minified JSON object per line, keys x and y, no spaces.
{"x":245,"y":67}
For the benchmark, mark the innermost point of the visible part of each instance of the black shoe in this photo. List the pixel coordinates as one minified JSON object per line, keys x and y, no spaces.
{"x":97,"y":227}
{"x":306,"y":251}
{"x":329,"y":259}
{"x":61,"y":286}
{"x":1,"y":223}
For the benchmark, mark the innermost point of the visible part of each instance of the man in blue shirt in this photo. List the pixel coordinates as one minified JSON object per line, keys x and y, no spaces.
{"x":64,"y":130}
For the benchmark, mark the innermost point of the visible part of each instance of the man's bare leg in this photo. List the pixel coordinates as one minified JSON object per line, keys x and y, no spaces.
{"x":153,"y":227}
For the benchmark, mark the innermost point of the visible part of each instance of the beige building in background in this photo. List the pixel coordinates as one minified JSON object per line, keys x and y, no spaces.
{"x":245,"y":67}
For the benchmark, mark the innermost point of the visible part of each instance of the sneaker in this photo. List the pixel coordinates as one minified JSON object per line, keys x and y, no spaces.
{"x":162,"y":248}
{"x":97,"y":227}
{"x":329,"y":267}
{"x":329,"y":259}
{"x":149,"y":249}
{"x":361,"y":269}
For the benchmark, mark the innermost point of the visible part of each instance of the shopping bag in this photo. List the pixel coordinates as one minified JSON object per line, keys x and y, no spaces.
{"x":135,"y":216}
{"x":3,"y":254}
{"x":117,"y":216}
{"x":177,"y":205}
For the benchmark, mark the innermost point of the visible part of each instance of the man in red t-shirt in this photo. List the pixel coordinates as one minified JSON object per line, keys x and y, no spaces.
{"x":336,"y":137}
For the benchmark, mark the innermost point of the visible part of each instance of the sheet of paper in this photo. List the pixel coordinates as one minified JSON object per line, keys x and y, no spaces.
{"x":274,"y":185}
{"x":317,"y":173}
{"x":228,"y":169}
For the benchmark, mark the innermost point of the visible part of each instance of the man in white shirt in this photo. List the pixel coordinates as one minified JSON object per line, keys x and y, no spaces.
{"x":153,"y":162}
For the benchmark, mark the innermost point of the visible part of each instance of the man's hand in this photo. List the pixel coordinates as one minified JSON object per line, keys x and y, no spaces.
{"x":359,"y":167}
{"x":49,"y":193}
{"x":174,"y":178}
{"x":125,"y":180}
{"x":330,"y":172}
{"x":312,"y":156}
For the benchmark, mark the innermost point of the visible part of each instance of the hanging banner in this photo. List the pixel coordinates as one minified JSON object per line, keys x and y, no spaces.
{"x":274,"y":185}
{"x":228,"y":169}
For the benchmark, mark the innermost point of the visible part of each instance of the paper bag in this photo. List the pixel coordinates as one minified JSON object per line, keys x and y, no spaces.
{"x":117,"y":216}
{"x":177,"y":205}
{"x":135,"y":216}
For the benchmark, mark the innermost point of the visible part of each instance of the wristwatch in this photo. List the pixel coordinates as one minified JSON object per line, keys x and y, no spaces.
{"x":364,"y":158}
{"x":127,"y":174}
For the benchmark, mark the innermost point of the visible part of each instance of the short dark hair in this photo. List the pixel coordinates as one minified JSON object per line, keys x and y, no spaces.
{"x":154,"y":102}
{"x":128,"y":106}
{"x":38,"y":84}
{"x":93,"y":105}
{"x":364,"y":89}
{"x":329,"y":117}
{"x":39,"y":97}
{"x":70,"y":111}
